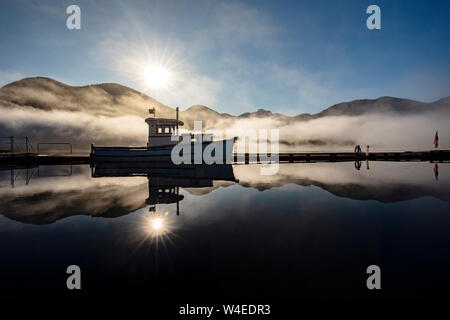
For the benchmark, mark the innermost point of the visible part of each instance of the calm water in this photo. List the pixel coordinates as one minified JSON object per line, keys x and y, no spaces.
{"x":307,"y":233}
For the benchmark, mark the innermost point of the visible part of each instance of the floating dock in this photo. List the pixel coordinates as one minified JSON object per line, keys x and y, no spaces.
{"x":438,"y":156}
{"x":43,"y":159}
{"x":245,"y":158}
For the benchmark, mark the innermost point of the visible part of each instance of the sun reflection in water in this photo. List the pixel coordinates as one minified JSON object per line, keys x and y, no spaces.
{"x":157,"y":224}
{"x":158,"y":227}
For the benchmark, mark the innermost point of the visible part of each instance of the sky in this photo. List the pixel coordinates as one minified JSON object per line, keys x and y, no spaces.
{"x":290,"y":57}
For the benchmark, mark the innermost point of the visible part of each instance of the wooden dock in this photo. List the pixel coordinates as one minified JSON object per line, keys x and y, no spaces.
{"x":439,"y":156}
{"x":245,"y":158}
{"x":44,"y":159}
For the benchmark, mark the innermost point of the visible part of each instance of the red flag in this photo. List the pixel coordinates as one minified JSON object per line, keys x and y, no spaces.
{"x":436,"y":140}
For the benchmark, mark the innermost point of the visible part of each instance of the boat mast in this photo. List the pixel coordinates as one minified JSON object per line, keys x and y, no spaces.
{"x":177,"y":120}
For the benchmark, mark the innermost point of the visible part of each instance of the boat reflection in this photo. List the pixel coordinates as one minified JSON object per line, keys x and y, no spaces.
{"x":164,"y":183}
{"x":165,"y":179}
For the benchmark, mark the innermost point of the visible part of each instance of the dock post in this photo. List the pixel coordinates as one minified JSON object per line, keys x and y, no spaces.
{"x":12,"y":146}
{"x":27,"y":181}
{"x":178,"y":201}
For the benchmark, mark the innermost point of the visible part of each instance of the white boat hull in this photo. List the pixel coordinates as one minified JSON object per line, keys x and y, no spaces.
{"x":163,"y":153}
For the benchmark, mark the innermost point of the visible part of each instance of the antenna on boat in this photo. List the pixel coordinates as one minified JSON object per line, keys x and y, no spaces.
{"x":177,"y":119}
{"x":152,"y":111}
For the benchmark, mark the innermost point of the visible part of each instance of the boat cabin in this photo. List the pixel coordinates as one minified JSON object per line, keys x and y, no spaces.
{"x":161,"y":130}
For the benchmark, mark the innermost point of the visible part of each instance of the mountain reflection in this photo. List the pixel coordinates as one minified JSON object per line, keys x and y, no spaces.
{"x":381,"y":181}
{"x":115,"y":190}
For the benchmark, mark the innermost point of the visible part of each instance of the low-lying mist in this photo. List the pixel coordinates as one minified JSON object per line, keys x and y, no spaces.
{"x":46,"y":110}
{"x":380,"y":131}
{"x":74,"y":127}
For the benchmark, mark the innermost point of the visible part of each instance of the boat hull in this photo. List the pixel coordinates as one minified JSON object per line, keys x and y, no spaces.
{"x":160,"y":171}
{"x":224,"y":149}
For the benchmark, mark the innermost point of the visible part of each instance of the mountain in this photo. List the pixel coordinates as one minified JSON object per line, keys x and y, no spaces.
{"x":107,"y":99}
{"x":198,"y":112}
{"x":112,"y":114}
{"x":111,"y":99}
{"x":383,"y":105}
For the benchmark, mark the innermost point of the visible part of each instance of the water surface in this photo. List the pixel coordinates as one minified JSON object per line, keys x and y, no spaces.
{"x":307,"y":233}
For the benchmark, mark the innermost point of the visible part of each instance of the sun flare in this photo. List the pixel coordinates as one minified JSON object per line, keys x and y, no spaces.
{"x":156,"y":76}
{"x":157,"y":224}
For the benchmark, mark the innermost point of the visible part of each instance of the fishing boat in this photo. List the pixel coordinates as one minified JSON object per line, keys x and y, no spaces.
{"x":163,"y":137}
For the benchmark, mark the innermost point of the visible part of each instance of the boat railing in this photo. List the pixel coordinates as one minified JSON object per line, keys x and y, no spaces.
{"x":125,"y":148}
{"x":117,"y":148}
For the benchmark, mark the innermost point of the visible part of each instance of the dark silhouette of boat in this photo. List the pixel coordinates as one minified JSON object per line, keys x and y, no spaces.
{"x":163,"y":136}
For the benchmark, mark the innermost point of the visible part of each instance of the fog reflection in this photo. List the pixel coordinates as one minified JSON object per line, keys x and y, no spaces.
{"x":116,"y":192}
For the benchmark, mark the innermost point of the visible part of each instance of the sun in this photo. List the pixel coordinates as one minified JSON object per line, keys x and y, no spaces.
{"x":156,"y":76}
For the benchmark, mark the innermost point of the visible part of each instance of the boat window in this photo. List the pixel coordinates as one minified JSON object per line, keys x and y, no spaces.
{"x":159,"y":129}
{"x":166,"y":129}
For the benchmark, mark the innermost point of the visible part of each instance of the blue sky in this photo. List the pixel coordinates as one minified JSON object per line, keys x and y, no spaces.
{"x":285,"y":56}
